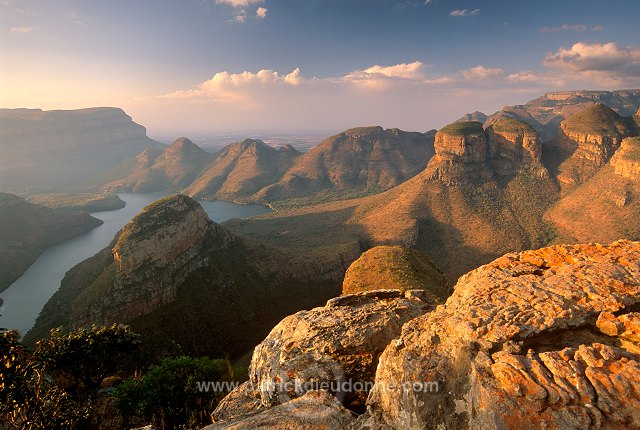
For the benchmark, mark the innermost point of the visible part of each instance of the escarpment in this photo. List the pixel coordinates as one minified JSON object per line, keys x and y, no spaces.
{"x":626,"y":161}
{"x":540,"y":339}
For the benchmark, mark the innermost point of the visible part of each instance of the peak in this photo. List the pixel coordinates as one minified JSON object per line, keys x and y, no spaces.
{"x":463,"y":128}
{"x":474,"y":116}
{"x":596,"y":119}
{"x":288,"y":148}
{"x":359,"y":132}
{"x":183,"y":144}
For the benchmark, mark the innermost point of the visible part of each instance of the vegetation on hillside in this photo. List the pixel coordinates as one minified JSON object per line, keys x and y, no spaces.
{"x":512,"y":125}
{"x":81,"y":201}
{"x":464,"y":128}
{"x":596,"y":120}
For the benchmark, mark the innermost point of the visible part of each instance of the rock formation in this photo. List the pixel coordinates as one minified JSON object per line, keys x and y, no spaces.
{"x":517,"y":344}
{"x":514,"y":145}
{"x":589,"y":138}
{"x":337,"y":345}
{"x":461,"y":153}
{"x":473,"y":116}
{"x":27,"y":228}
{"x":45,"y":151}
{"x":180,"y":279}
{"x":396,"y":268}
{"x":541,"y":339}
{"x":626,"y":160}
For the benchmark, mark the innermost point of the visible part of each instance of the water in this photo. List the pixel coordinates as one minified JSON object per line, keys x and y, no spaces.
{"x":26,"y":297}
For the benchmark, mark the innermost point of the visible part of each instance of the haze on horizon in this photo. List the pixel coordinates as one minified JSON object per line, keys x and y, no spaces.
{"x":222,"y":66}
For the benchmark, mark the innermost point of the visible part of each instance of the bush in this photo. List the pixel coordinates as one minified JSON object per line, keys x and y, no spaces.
{"x":168,"y":397}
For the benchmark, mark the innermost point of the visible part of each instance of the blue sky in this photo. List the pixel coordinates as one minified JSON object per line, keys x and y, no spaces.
{"x":194,"y":66}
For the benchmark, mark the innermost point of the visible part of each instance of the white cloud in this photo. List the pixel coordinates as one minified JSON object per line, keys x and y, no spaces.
{"x":380,"y":76}
{"x":600,"y":57}
{"x":21,"y":30}
{"x":239,"y":3}
{"x":240,"y":18}
{"x":261,"y":12}
{"x":464,"y":12}
{"x":482,"y":72}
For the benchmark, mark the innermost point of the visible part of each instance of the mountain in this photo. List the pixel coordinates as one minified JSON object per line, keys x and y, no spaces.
{"x":45,"y":151}
{"x":546,"y":113}
{"x":485,"y":192}
{"x":185,"y":282}
{"x":27,"y":228}
{"x":476,"y":116}
{"x":81,"y":201}
{"x":606,"y":206}
{"x":242,"y":169}
{"x":587,"y":140}
{"x":170,"y":170}
{"x":539,"y":339}
{"x":366,"y":159}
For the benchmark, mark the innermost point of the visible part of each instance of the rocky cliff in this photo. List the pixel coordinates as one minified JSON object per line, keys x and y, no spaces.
{"x":51,"y":150}
{"x":589,"y":138}
{"x":466,"y":152}
{"x":27,"y":228}
{"x":626,"y":160}
{"x":183,"y":281}
{"x":540,"y":339}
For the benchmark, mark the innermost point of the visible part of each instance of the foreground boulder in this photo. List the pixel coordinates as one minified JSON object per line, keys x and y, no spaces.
{"x":518,"y":345}
{"x":333,"y":348}
{"x":316,"y":410}
{"x":540,"y":339}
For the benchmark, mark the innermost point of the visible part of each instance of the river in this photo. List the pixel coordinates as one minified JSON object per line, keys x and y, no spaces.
{"x":26,"y":297}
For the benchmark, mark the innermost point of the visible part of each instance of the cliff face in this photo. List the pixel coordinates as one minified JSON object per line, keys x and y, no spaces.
{"x":26,"y":229}
{"x":540,"y":339}
{"x":461,"y":153}
{"x":589,"y":138}
{"x":466,"y":153}
{"x":626,"y":160}
{"x":154,"y":254}
{"x":180,"y":279}
{"x":45,"y":150}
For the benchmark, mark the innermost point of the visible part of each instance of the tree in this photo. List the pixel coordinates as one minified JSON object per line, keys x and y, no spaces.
{"x":29,"y":400}
{"x":168,"y":396}
{"x":86,"y":357}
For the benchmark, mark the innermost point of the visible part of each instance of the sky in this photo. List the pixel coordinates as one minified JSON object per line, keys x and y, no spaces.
{"x":183,"y":67}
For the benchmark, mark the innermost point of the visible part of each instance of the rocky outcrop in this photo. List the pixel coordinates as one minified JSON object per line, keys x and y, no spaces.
{"x":473,"y":116}
{"x":514,"y":145}
{"x":518,"y":345}
{"x":626,"y":160}
{"x":398,"y":268}
{"x":315,"y":410}
{"x":154,"y":254}
{"x":333,"y":348}
{"x":589,"y":138}
{"x":541,"y":339}
{"x":461,"y":153}
{"x":27,"y":228}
